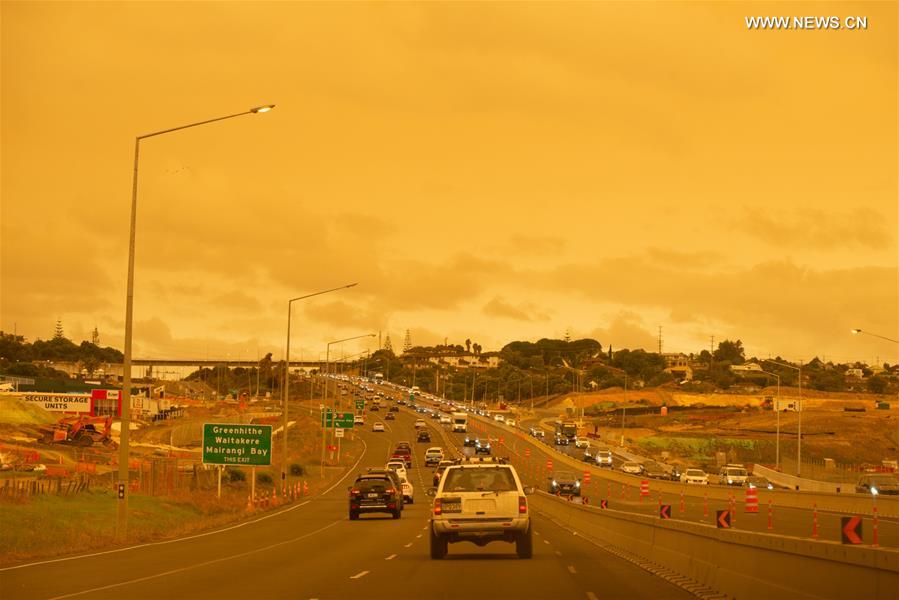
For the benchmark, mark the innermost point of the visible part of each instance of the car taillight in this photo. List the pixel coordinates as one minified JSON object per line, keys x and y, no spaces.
{"x":391,"y":491}
{"x":355,"y":491}
{"x":522,"y":505}
{"x":437,"y":509}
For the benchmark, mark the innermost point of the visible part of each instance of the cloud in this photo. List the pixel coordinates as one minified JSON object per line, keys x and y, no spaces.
{"x":626,"y":329}
{"x":814,"y":227}
{"x":525,"y":311}
{"x":536,"y":244}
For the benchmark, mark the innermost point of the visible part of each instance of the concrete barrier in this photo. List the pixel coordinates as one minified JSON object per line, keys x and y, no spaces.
{"x":739,"y":564}
{"x":802,"y":484}
{"x":843,"y":503}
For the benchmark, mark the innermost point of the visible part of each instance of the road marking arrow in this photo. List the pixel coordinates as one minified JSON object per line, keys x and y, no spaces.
{"x":852,"y":530}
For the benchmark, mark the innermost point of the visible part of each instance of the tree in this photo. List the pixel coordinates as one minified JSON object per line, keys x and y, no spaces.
{"x":407,"y":343}
{"x":468,"y":345}
{"x":95,"y":336}
{"x":58,"y":334}
{"x":730,"y":351}
{"x":877,"y":384}
{"x":388,"y":345}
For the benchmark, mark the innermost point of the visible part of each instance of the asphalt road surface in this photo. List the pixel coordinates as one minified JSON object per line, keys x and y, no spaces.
{"x":312,"y":550}
{"x":794,"y":522}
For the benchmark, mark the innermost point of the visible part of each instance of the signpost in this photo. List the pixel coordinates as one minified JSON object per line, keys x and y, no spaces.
{"x":338,"y":433}
{"x":237,"y":444}
{"x":360,"y":404}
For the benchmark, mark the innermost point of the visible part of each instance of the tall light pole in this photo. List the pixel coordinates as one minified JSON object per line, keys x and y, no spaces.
{"x":776,"y":410}
{"x":883,"y":337}
{"x":124,"y":450}
{"x":799,"y":446}
{"x":285,"y":389}
{"x":328,"y":358}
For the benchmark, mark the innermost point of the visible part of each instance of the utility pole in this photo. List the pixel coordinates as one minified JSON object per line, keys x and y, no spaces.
{"x":660,"y":339}
{"x":711,"y":352}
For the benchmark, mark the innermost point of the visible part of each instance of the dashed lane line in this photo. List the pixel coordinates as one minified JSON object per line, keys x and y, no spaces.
{"x":572,"y":570}
{"x":360,"y":574}
{"x":391,"y":557}
{"x":591,"y":596}
{"x":546,"y":541}
{"x":407,"y":545}
{"x":418,"y":536}
{"x":558,"y":553}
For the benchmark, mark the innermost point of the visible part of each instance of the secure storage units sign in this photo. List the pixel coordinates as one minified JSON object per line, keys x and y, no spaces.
{"x":237,"y":444}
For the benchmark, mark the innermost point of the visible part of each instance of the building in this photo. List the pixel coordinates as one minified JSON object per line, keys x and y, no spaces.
{"x":678,"y":364}
{"x":467,"y":361}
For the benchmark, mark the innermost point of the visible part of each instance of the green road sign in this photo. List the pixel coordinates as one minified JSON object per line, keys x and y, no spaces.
{"x":360,"y":404}
{"x":343,"y":420}
{"x":237,"y":444}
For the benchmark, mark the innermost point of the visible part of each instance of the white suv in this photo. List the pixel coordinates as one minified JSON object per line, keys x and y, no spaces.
{"x":480,"y":503}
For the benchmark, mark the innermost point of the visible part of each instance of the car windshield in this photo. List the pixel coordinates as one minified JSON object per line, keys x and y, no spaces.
{"x":695,"y":473}
{"x":372,"y":485}
{"x":565,"y":476}
{"x":736,"y":472}
{"x":480,"y":480}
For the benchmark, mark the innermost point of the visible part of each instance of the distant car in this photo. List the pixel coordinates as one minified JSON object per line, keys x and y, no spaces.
{"x":389,"y":417}
{"x":423,"y":436}
{"x":358,"y":420}
{"x":538,"y":433}
{"x":408,"y":491}
{"x":878,"y":484}
{"x":393,"y":409}
{"x":397,"y":466}
{"x":654,"y":470}
{"x":695,"y":476}
{"x":561,"y":440}
{"x":445,"y":420}
{"x":499,"y":418}
{"x":581,"y":442}
{"x":374,"y":493}
{"x":604,"y":458}
{"x":732,"y":475}
{"x":374,"y":408}
{"x":481,"y":447}
{"x":757,"y":481}
{"x":378,"y":426}
{"x":632,"y":468}
{"x":433,"y":456}
{"x":404,"y":454}
{"x":510,"y":422}
{"x":565,"y":483}
{"x":419,"y":423}
{"x":470,"y":442}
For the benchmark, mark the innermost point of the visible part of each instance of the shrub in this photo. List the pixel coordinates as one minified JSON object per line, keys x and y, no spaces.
{"x":297,"y":470}
{"x":263,"y":478}
{"x":235,"y":475}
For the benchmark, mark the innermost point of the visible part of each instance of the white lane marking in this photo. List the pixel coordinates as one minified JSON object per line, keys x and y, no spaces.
{"x":558,"y":553}
{"x":358,"y":575}
{"x":418,"y":536}
{"x":407,"y":545}
{"x":202,"y":564}
{"x":536,"y":533}
{"x":351,"y":470}
{"x":591,"y":596}
{"x":572,"y":570}
{"x":545,"y":541}
{"x":391,"y":557}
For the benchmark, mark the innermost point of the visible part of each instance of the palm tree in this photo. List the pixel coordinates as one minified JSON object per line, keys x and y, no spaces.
{"x":468,"y":345}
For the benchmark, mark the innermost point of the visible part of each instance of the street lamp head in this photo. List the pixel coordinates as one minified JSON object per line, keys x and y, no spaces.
{"x":262,"y":109}
{"x":856,"y":331}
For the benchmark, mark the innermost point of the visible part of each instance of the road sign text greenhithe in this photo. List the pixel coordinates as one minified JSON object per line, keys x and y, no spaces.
{"x":237,"y":444}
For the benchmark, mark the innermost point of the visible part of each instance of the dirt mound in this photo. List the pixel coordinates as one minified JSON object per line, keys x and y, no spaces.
{"x":15,"y":411}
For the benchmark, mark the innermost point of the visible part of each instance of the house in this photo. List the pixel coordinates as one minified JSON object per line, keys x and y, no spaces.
{"x":678,"y":364}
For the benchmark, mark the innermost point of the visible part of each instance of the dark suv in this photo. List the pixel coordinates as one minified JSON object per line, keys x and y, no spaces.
{"x":375,"y":493}
{"x":424,"y":436}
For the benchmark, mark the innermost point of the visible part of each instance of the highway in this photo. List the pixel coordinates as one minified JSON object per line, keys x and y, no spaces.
{"x":795,"y":522}
{"x":312,"y":550}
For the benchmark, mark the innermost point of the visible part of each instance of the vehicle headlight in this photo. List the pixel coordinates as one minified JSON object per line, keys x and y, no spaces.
{"x":555,"y":483}
{"x":770,"y":487}
{"x":729,"y":481}
{"x":874,"y":491}
{"x":577,"y":484}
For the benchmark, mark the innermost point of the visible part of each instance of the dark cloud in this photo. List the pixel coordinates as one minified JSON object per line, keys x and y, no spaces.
{"x":526,"y":311}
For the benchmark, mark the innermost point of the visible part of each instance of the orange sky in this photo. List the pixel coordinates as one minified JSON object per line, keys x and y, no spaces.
{"x":487,"y":171}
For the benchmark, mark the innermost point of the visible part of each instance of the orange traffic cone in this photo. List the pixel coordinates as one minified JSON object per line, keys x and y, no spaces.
{"x":752,"y":500}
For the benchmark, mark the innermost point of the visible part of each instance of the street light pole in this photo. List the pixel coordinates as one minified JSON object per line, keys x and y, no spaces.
{"x":799,"y":445}
{"x":285,"y":389}
{"x":124,"y":450}
{"x":776,"y":410}
{"x":883,"y":337}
